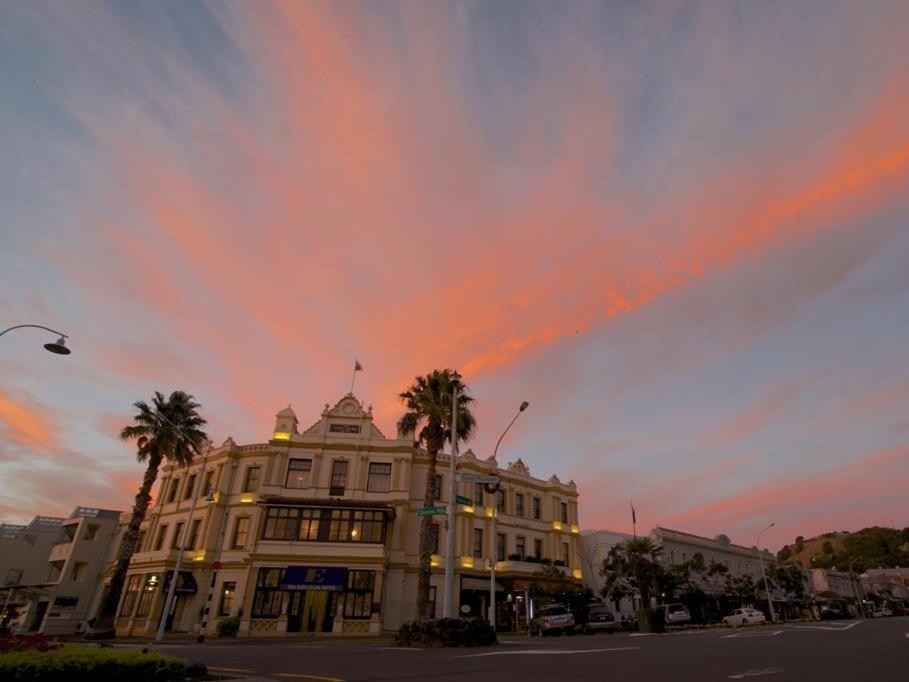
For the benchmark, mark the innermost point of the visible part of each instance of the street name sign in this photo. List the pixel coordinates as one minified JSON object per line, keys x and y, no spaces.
{"x":477,"y":478}
{"x":460,"y":499}
{"x":431,"y":511}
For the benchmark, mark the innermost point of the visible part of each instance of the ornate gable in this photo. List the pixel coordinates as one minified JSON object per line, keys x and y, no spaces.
{"x":519,"y":467}
{"x":346,"y":417}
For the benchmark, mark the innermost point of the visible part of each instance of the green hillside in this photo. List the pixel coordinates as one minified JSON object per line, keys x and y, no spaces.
{"x":869,"y":548}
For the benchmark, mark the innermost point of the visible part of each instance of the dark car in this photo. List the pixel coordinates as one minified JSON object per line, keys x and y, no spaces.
{"x":599,"y":619}
{"x":832,"y":614}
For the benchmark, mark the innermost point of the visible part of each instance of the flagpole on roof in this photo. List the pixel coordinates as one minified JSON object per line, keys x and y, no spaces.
{"x":357,"y":368}
{"x":634,"y":521}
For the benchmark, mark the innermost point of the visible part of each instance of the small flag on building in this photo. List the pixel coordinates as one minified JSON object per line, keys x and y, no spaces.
{"x":357,"y":368}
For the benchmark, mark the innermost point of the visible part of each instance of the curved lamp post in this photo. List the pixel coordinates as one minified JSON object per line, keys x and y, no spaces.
{"x":492,"y":489}
{"x":58,"y":347}
{"x":764,"y":573}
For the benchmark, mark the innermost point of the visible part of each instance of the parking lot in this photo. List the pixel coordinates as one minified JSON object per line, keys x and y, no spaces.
{"x":829,"y":651}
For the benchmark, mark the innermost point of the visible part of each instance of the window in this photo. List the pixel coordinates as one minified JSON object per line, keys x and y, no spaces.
{"x":500,"y":547}
{"x":309,"y":524}
{"x":379,"y":480}
{"x":172,"y":493}
{"x":536,"y":508}
{"x":538,"y":548}
{"x":140,"y":541}
{"x":206,"y":484}
{"x":190,"y":484}
{"x":324,"y":525}
{"x":178,"y":536}
{"x":79,"y":569}
{"x":358,"y":595}
{"x":478,"y":542}
{"x":431,"y":604}
{"x":227,"y":598}
{"x":129,"y":597}
{"x":267,"y":600}
{"x":147,"y":595}
{"x":251,"y":483}
{"x":564,"y":512}
{"x":436,"y":487}
{"x":241,"y":530}
{"x":519,"y":546}
{"x":159,"y":541}
{"x":518,"y":504}
{"x":14,"y":576}
{"x":298,"y":473}
{"x":500,"y":501}
{"x":281,"y":523}
{"x":194,"y":534}
{"x":565,"y":554}
{"x":434,"y":538}
{"x":478,"y":490}
{"x":339,"y":528}
{"x":91,"y":533}
{"x":338,"y":477}
{"x":367,"y":526}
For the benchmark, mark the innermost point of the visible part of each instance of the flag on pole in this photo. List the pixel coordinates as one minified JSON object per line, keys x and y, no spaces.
{"x":357,"y":366}
{"x":634,"y":517}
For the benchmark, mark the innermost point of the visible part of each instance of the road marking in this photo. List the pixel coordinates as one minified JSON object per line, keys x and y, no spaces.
{"x":400,"y":648}
{"x":230,"y":670}
{"x":827,"y":627}
{"x":318,"y":678}
{"x":642,"y":634}
{"x":756,"y":673}
{"x":547,"y":652}
{"x":754,"y":634}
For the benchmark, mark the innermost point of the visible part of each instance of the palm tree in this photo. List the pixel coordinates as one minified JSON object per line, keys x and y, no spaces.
{"x":428,"y":402}
{"x":168,"y":429}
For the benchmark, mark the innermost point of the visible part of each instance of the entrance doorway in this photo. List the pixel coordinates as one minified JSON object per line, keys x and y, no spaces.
{"x":175,"y":615}
{"x":311,"y":611}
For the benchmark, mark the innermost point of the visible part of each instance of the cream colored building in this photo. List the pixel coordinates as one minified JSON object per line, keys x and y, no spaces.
{"x":316,"y":530}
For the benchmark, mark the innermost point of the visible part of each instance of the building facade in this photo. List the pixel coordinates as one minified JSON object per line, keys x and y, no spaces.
{"x":595,"y":547}
{"x":23,"y":568}
{"x":317,"y":530}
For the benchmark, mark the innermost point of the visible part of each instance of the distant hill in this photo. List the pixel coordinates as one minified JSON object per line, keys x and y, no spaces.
{"x":870,"y":548}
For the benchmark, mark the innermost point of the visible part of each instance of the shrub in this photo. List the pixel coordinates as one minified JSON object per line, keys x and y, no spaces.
{"x":448,"y":632}
{"x":228,"y":627}
{"x":84,"y":664}
{"x":38,"y":642}
{"x":650,"y":620}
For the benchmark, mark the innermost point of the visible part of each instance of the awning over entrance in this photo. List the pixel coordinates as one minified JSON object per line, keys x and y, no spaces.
{"x":468,"y":583}
{"x":186,"y":583}
{"x":319,"y":578}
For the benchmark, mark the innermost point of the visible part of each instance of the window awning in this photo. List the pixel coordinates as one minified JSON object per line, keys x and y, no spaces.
{"x":186,"y":583}
{"x":317,"y":578}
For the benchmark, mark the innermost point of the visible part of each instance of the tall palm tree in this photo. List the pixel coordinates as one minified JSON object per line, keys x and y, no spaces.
{"x":167,"y":429}
{"x":428,"y":403}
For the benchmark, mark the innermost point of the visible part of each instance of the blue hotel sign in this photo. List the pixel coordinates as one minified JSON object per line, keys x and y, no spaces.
{"x":317,"y":578}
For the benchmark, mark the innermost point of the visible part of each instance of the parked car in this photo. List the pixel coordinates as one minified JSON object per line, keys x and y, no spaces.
{"x":744,"y":617}
{"x":882,"y":612}
{"x":832,"y":614}
{"x":901,"y":612}
{"x":554,"y":619}
{"x":675,"y":614}
{"x":599,"y":619}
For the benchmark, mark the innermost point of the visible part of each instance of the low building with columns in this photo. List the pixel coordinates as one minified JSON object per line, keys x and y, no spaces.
{"x":317,"y":530}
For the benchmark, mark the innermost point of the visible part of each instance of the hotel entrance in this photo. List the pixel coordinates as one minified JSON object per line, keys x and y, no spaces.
{"x":311,"y":611}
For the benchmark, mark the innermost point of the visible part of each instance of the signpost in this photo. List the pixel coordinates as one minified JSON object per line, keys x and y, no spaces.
{"x":478,"y":478}
{"x":466,"y":501}
{"x":431,"y":511}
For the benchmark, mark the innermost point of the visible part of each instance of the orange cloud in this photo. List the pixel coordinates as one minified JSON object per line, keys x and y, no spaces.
{"x":25,"y":422}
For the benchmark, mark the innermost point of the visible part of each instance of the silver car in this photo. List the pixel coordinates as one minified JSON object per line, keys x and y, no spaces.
{"x":552,"y":619}
{"x":600,"y":619}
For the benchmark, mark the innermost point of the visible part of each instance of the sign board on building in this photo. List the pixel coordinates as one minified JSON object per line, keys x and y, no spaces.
{"x":477,"y":478}
{"x":317,"y":578}
{"x":344,"y":428}
{"x":431,"y":511}
{"x":460,"y":499}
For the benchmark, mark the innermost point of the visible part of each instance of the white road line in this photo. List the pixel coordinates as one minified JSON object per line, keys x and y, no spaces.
{"x":547,"y":652}
{"x":828,"y":627}
{"x":756,"y":673}
{"x":754,"y":634}
{"x":400,"y":648}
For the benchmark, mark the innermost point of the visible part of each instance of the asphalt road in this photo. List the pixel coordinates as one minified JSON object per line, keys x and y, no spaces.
{"x":838,"y":651}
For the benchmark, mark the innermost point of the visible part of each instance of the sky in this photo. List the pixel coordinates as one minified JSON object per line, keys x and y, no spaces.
{"x":679,"y":230}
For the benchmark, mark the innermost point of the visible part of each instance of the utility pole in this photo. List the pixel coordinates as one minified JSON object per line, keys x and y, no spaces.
{"x":764,"y":573}
{"x":452,"y":502}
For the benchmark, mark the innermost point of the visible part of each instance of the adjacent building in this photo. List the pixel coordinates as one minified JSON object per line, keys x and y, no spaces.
{"x":317,"y":530}
{"x":595,"y":548}
{"x":23,"y":567}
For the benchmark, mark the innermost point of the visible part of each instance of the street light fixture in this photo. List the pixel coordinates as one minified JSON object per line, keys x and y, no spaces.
{"x":764,"y":573}
{"x":492,"y":490}
{"x":58,"y":346}
{"x":448,"y":611}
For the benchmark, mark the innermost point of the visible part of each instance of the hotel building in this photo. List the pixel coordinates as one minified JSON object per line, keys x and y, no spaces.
{"x":317,"y":530}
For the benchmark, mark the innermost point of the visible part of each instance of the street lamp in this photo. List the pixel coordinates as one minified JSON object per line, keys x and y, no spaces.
{"x":861,"y":605}
{"x":764,"y":573}
{"x":58,"y":346}
{"x":492,"y":490}
{"x":452,"y":500}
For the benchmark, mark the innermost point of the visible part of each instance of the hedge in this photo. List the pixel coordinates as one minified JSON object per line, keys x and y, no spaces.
{"x":446,"y":632}
{"x":78,"y":664}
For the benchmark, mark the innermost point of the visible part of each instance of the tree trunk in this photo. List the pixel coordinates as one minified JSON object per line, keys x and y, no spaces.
{"x":425,"y":537}
{"x":108,"y":613}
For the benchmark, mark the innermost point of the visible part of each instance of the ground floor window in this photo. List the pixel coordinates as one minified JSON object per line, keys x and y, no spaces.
{"x":227,"y":598}
{"x":148,"y":594}
{"x":267,"y":600}
{"x":132,"y":592}
{"x":358,"y":594}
